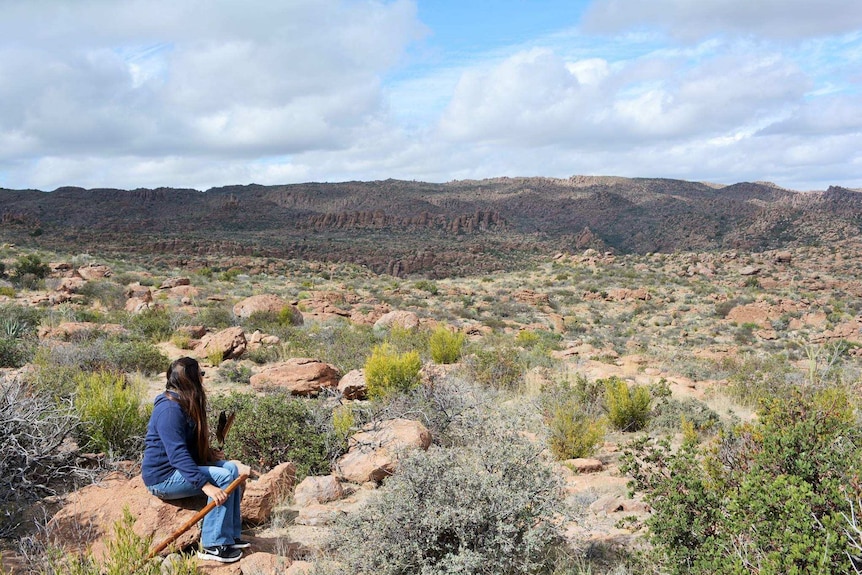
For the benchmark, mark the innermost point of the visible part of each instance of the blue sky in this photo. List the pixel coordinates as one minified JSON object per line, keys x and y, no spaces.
{"x":187,"y":93}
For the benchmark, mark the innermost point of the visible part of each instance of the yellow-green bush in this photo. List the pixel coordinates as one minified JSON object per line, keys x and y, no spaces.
{"x":215,"y":357}
{"x":573,"y":433}
{"x":388,"y":371}
{"x":113,"y":414}
{"x":628,"y":407}
{"x":181,"y":340}
{"x":343,"y":421}
{"x":446,"y":345}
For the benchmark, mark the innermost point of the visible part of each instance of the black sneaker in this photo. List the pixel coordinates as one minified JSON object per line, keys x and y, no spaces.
{"x":240,"y":544}
{"x":220,"y":553}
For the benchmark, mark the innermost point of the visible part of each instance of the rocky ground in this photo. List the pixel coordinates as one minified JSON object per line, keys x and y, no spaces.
{"x":683,"y":320}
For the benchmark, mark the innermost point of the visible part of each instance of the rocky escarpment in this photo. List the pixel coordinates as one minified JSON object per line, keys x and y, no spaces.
{"x":404,"y":228}
{"x":465,"y":223}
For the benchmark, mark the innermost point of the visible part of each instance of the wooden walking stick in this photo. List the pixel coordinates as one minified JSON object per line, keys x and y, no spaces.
{"x":198,"y":516}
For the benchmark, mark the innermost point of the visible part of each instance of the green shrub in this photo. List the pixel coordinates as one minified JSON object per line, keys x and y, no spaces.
{"x":52,"y":376}
{"x":58,"y":364}
{"x":388,"y":371}
{"x":343,"y":422}
{"x":446,"y":345}
{"x":491,"y":508}
{"x":230,"y":274}
{"x":15,"y":352}
{"x":234,"y":372}
{"x":32,"y":265}
{"x":264,"y":354}
{"x":723,"y":308}
{"x":18,"y":321}
{"x":289,"y":315}
{"x":113,"y":414}
{"x":7,"y":291}
{"x":215,"y":357}
{"x":132,"y":355}
{"x":498,"y":362}
{"x":216,"y":317}
{"x":427,"y":286}
{"x":112,"y":296}
{"x":770,"y":498}
{"x":498,"y":367}
{"x":628,"y":408}
{"x":669,"y":413}
{"x":18,"y":340}
{"x":153,"y":324}
{"x":273,"y":429}
{"x":758,"y":377}
{"x":341,"y":343}
{"x":538,"y":339}
{"x":182,"y":340}
{"x":405,"y":340}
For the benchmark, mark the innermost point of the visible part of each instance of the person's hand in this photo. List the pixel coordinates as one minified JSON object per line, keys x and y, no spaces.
{"x":214,"y":493}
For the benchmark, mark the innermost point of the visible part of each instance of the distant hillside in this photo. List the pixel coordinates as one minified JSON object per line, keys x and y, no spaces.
{"x":404,"y":228}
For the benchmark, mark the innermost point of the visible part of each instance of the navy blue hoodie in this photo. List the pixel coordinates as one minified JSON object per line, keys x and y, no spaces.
{"x":170,"y":444}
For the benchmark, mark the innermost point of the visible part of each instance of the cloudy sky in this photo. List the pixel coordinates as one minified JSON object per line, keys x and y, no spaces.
{"x":201,"y":93}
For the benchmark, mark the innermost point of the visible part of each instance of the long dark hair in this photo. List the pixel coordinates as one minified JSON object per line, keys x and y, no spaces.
{"x":186,"y":382}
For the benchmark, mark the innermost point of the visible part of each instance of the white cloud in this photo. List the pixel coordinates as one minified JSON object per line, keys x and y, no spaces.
{"x":539,"y":98}
{"x":164,"y":77}
{"x":692,"y":19}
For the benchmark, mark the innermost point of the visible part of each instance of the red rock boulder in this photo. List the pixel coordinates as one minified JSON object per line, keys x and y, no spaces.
{"x":265,"y":303}
{"x":300,"y":376}
{"x":230,"y":343}
{"x":373,"y":452}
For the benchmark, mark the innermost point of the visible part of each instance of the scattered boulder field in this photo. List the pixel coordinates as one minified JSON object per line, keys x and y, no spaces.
{"x":674,"y":318}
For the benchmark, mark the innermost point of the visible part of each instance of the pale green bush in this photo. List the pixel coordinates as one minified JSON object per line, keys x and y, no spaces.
{"x":490,"y":508}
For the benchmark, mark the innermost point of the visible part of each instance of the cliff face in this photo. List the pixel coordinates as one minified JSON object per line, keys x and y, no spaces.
{"x":404,"y":227}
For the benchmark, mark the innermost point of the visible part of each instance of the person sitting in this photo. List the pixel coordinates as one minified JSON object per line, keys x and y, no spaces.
{"x":179,"y":462}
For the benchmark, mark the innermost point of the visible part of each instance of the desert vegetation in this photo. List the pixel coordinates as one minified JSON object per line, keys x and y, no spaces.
{"x":583,"y":413}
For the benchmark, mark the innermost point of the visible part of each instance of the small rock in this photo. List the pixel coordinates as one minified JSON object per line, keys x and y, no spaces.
{"x":352,"y":385}
{"x":315,"y":515}
{"x":317,"y":489}
{"x":260,"y":563}
{"x":584,"y":465}
{"x":403,"y":319}
{"x":269,"y":490}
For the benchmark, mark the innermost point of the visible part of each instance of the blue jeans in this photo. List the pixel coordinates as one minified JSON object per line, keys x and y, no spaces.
{"x":222,"y":525}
